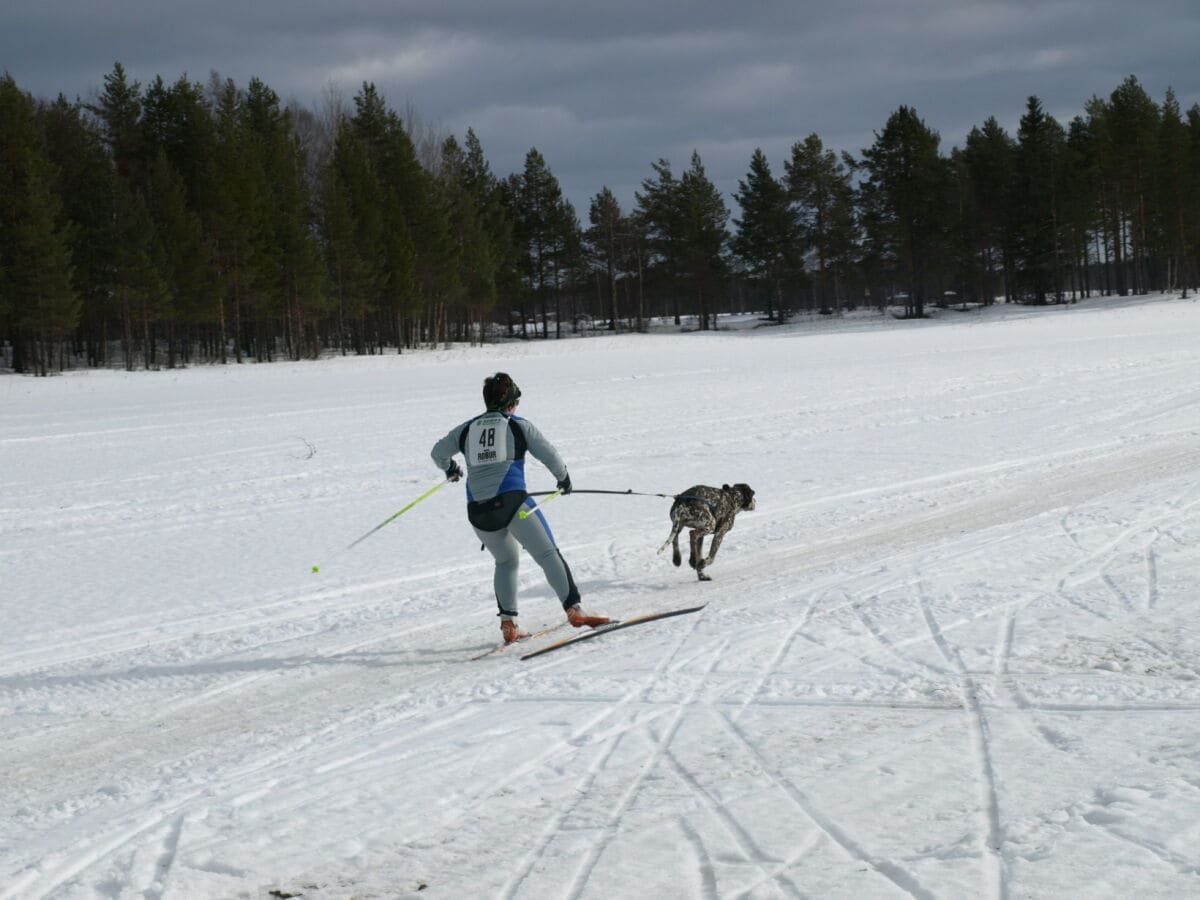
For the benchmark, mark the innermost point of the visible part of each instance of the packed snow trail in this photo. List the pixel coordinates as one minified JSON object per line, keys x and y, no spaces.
{"x":954,"y":652}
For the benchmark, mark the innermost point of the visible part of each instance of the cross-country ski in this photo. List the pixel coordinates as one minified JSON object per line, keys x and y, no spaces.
{"x":512,"y":645}
{"x":602,"y":630}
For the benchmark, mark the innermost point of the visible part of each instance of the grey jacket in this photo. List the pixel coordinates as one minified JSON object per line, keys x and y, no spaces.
{"x":495,"y":445}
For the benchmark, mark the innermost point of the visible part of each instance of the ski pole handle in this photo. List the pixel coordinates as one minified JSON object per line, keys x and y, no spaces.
{"x":525,"y":513}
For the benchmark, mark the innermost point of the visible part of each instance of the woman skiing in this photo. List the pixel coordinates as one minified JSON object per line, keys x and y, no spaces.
{"x":494,"y":445}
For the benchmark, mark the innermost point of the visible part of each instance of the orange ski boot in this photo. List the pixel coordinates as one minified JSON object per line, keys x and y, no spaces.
{"x":577,"y":617}
{"x":511,"y":631}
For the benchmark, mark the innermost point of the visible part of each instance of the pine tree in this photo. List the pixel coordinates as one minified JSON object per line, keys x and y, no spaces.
{"x":292,"y":276}
{"x":1080,"y":203}
{"x":419,"y":265}
{"x":568,"y":261}
{"x":659,"y":216}
{"x":87,"y":187}
{"x":1175,"y":197}
{"x":120,"y":112}
{"x":186,"y":260}
{"x":140,"y":291}
{"x":1192,"y":187}
{"x":39,"y":271}
{"x":272,"y":203}
{"x":820,"y":189}
{"x":704,"y":238}
{"x":768,"y":238}
{"x":1040,"y":161}
{"x":538,"y":198}
{"x":603,"y":240}
{"x":905,"y":201}
{"x":352,"y":227}
{"x":39,"y":305}
{"x":1133,"y":122}
{"x":238,"y":218}
{"x":633,"y":262}
{"x":988,"y":159}
{"x":485,"y":190}
{"x":473,"y":247}
{"x":179,"y":121}
{"x":1125,"y":127}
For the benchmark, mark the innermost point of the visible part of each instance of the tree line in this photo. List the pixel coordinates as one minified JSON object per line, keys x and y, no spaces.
{"x":188,"y":222}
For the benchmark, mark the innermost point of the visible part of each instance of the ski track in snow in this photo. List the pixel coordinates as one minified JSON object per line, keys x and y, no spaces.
{"x":953,"y":652}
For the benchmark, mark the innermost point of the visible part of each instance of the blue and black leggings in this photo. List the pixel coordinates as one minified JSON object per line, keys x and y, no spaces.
{"x":531,"y":533}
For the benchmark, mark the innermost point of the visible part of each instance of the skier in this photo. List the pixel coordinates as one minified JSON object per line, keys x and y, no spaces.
{"x":494,"y":445}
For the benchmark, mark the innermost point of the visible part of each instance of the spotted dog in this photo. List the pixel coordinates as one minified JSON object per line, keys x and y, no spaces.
{"x":705,"y":510}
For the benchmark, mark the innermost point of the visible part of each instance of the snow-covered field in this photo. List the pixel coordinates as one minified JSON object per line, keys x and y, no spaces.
{"x":955,"y":652}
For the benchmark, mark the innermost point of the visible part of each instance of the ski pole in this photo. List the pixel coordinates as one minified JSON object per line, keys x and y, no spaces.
{"x":429,"y":493}
{"x":628,"y":493}
{"x":524,"y":514}
{"x":550,"y":495}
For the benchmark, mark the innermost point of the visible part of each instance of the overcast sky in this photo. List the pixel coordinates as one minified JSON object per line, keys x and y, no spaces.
{"x":604,"y":88}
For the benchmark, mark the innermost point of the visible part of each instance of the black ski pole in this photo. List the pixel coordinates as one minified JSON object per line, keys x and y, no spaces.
{"x":626,"y":493}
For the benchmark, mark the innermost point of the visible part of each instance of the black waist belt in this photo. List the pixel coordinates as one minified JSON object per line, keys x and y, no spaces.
{"x":494,"y":514}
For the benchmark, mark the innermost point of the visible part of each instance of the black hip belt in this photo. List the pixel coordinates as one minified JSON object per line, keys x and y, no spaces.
{"x":495,"y":513}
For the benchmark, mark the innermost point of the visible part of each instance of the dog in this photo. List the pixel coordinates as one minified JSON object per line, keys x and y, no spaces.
{"x":705,"y":510}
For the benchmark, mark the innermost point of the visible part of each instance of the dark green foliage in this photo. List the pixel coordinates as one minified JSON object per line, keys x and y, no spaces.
{"x":659,"y":217}
{"x":120,"y":111}
{"x":684,"y":222}
{"x":768,"y":238}
{"x":186,"y":258}
{"x":819,"y":187}
{"x":178,"y":122}
{"x":704,"y":238}
{"x":140,"y":290}
{"x":604,"y":241}
{"x":546,"y":233}
{"x":39,"y":305}
{"x":906,"y":205}
{"x":87,"y":185}
{"x":183,"y":222}
{"x":1080,"y":213}
{"x":984,"y":173}
{"x":1175,"y":197}
{"x":465,"y":196}
{"x":1037,"y":197}
{"x":353,"y":236}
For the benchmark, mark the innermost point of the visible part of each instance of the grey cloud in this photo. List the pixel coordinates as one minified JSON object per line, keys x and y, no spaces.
{"x":603,"y":89}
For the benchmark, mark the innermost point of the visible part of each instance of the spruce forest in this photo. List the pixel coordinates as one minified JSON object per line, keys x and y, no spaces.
{"x":183,"y":223}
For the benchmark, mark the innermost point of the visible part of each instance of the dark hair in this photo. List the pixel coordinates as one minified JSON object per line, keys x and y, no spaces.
{"x":500,"y":391}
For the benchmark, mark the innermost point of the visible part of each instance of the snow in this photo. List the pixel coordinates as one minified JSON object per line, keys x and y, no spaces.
{"x":954,"y":652}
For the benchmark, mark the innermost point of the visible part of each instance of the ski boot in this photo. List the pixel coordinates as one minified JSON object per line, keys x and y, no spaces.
{"x":577,"y":617}
{"x":511,"y":631}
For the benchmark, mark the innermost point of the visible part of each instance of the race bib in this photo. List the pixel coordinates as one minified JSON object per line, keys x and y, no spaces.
{"x":488,"y":441}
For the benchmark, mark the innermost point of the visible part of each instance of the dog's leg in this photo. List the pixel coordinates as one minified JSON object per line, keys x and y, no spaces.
{"x":698,"y":561}
{"x":716,"y":542}
{"x":695,"y":536}
{"x":673,"y":542}
{"x":672,"y":538}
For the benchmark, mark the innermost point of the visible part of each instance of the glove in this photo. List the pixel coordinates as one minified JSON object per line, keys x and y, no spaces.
{"x":453,"y":471}
{"x":565,"y":484}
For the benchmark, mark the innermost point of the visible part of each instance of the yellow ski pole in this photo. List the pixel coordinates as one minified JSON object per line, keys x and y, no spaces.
{"x":429,"y":493}
{"x":526,"y":513}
